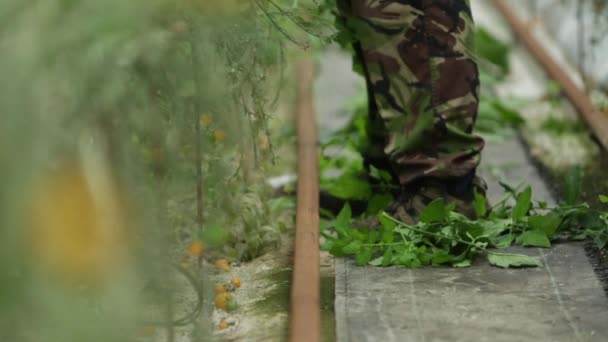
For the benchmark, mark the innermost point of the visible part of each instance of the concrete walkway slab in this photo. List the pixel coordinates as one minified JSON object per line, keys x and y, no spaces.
{"x":562,"y":301}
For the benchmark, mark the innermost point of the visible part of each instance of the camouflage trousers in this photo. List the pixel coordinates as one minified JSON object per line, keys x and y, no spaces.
{"x":423,"y":84}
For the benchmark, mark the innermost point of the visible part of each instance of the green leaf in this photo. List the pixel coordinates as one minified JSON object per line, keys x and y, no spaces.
{"x":282,"y":203}
{"x":379,"y":174}
{"x":337,"y":247}
{"x":491,"y":49}
{"x":504,"y":241}
{"x":325,"y":224}
{"x":434,"y":212}
{"x":388,"y":229}
{"x":352,"y":248}
{"x":342,"y":221}
{"x":591,"y":219}
{"x":324,"y":213}
{"x":358,"y":234}
{"x":522,"y":205}
{"x":378,"y":203}
{"x":534,"y":238}
{"x":327,"y":245}
{"x":408,"y":259}
{"x":547,"y":224}
{"x":386,"y":222}
{"x":506,"y":260}
{"x":372,"y":237}
{"x":508,"y":188}
{"x":348,"y":186}
{"x":573,"y":185}
{"x":387,"y":258}
{"x":603,"y":199}
{"x":494,"y":228}
{"x":472,"y":229}
{"x":376,"y":262}
{"x":463,"y":263}
{"x":441,"y":256}
{"x":214,"y":235}
{"x":364,"y":256}
{"x":480,"y":205}
{"x":600,"y":238}
{"x":507,"y":114}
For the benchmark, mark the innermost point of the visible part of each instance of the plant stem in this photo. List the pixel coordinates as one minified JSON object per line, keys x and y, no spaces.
{"x":383,"y":244}
{"x":194,"y":54}
{"x":440,"y":236}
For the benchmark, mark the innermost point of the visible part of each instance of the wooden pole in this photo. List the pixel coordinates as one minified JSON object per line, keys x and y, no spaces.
{"x":595,"y":119}
{"x":305,"y":291}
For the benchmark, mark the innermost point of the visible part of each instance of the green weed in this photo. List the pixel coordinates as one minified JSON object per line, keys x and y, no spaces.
{"x":445,"y":237}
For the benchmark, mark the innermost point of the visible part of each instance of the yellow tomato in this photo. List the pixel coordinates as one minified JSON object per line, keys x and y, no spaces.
{"x":264,"y":142}
{"x":219,"y":289}
{"x":219,"y":135}
{"x":221,"y":301}
{"x":196,"y":249}
{"x":206,"y":120}
{"x":223,"y":325}
{"x":147,"y":331}
{"x":222,"y":264}
{"x":79,"y":227}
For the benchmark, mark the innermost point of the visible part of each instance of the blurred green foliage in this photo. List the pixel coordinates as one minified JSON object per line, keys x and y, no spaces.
{"x":128,"y":107}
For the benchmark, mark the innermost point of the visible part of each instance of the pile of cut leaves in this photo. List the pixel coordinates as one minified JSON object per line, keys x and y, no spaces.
{"x":445,"y":237}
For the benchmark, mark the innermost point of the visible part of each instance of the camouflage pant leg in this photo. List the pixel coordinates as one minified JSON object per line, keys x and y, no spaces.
{"x":423,"y":82}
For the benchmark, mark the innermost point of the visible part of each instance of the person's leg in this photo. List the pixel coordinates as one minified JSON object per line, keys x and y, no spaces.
{"x":423,"y":84}
{"x":424,"y":81}
{"x":373,"y":153}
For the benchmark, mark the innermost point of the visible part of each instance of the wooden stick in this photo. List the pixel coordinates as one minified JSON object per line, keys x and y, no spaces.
{"x":305,"y":291}
{"x":595,"y":119}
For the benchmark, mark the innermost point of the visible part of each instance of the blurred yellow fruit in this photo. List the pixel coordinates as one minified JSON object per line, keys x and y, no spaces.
{"x":196,"y":249}
{"x":264,"y":142}
{"x":219,"y":135}
{"x":223,"y":325}
{"x":78,"y":225}
{"x":206,"y":120}
{"x":180,"y":27}
{"x":222,"y":264}
{"x":219,"y":289}
{"x":147,"y":331}
{"x":236,"y":282}
{"x":221,"y":301}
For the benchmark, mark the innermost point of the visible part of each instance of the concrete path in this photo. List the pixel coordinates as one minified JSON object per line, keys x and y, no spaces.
{"x":563,"y":301}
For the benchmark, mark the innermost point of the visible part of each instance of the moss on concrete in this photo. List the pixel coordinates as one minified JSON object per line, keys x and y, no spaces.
{"x":277,"y":299}
{"x":328,"y":317}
